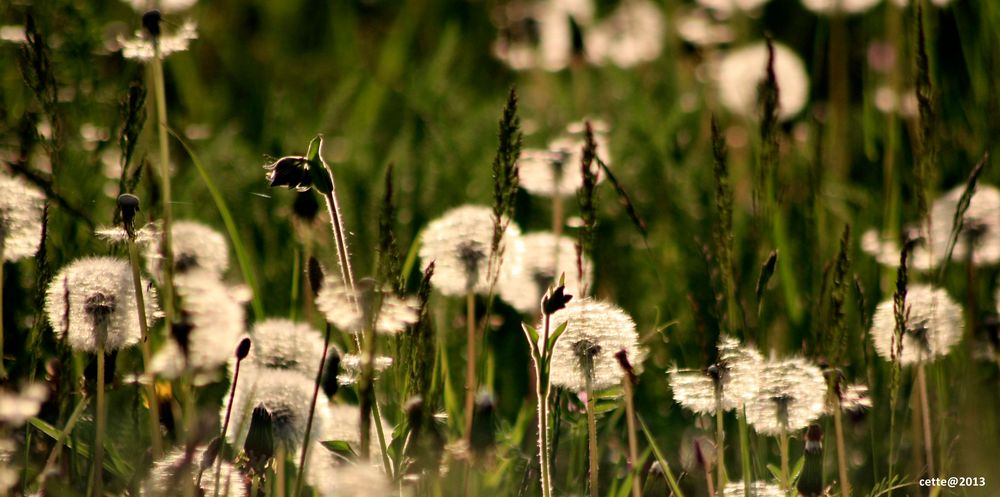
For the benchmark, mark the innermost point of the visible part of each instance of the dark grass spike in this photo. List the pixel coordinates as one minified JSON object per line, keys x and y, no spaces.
{"x":505,"y":171}
{"x":835,"y":313}
{"x":926,"y":138}
{"x":766,"y":272}
{"x":586,"y":199}
{"x":900,"y":313}
{"x":132,"y":109}
{"x":958,"y":220}
{"x":389,"y":269}
{"x":242,"y":351}
{"x":767,"y":103}
{"x":420,"y":342}
{"x":723,"y":232}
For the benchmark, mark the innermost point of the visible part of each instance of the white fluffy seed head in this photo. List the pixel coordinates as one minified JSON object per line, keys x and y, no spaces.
{"x":351,"y":365}
{"x":757,"y":489}
{"x":791,"y":394}
{"x":459,"y":243}
{"x":740,"y":72}
{"x":21,"y":208}
{"x":144,"y":236}
{"x":282,"y":344}
{"x":350,"y":480}
{"x":392,"y":314}
{"x":165,"y":6}
{"x":853,"y":398}
{"x":839,"y":6}
{"x":538,"y":35}
{"x":731,"y":383}
{"x":92,"y":301}
{"x":286,"y":396}
{"x":196,"y":247}
{"x":633,"y":34}
{"x":537,"y":264}
{"x":166,"y":475}
{"x":16,"y":408}
{"x":933,"y":325}
{"x":140,"y":46}
{"x":727,"y":7}
{"x":595,"y":332}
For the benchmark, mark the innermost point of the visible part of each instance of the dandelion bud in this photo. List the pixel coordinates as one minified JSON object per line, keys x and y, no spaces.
{"x":315,"y":273}
{"x":259,"y":445}
{"x":151,"y":22}
{"x":129,"y":205}
{"x":290,"y":172}
{"x":331,"y":369}
{"x":811,"y":481}
{"x":211,"y":453}
{"x":243,"y":349}
{"x":622,"y":357}
{"x":483,"y":436}
{"x":555,"y":300}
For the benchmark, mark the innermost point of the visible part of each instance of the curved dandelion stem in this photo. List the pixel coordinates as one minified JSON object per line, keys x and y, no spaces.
{"x":155,"y":439}
{"x":166,"y":245}
{"x":925,"y":416}
{"x":337,"y":226}
{"x":225,"y":427}
{"x":470,"y":369}
{"x":592,"y":440}
{"x":98,"y":488}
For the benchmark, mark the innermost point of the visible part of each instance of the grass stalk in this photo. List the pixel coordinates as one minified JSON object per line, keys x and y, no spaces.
{"x":241,"y":352}
{"x":592,"y":441}
{"x":720,"y":440}
{"x":470,"y":369}
{"x":741,"y":418}
{"x":3,"y":369}
{"x":279,"y":470}
{"x":633,"y":440}
{"x":925,"y":417}
{"x":155,"y":439}
{"x":166,"y":245}
{"x":838,"y":425}
{"x":98,"y":488}
{"x":60,"y":440}
{"x":312,"y":411}
{"x":786,"y":482}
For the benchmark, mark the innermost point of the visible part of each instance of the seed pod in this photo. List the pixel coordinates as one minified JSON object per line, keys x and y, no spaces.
{"x":331,"y":369}
{"x":259,"y":445}
{"x":243,"y":349}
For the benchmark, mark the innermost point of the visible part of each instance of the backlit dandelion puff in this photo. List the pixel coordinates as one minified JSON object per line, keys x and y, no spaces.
{"x":459,"y":244}
{"x":141,"y":45}
{"x":168,"y":6}
{"x":933,"y":326}
{"x":352,"y":480}
{"x":21,"y":208}
{"x":731,"y":383}
{"x":285,"y":395}
{"x":631,"y":35}
{"x":144,"y":236}
{"x":828,"y":7}
{"x":353,"y":312}
{"x":541,"y":34}
{"x":791,"y":394}
{"x":585,"y":353}
{"x":165,"y":478}
{"x":17,"y":407}
{"x":740,"y":71}
{"x":757,"y":489}
{"x":535,"y":266}
{"x":282,"y":344}
{"x":853,"y":398}
{"x":698,"y":28}
{"x":195,"y":247}
{"x":728,"y":7}
{"x":92,"y":302}
{"x":351,"y":367}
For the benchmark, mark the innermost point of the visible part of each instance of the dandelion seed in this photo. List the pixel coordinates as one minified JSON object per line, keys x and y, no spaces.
{"x":18,"y":407}
{"x":828,"y":7}
{"x":21,"y":208}
{"x":631,"y":35}
{"x":92,"y":301}
{"x":459,"y":244}
{"x":934,"y":325}
{"x":535,"y":266}
{"x":791,"y":395}
{"x":595,"y":332}
{"x":391,"y":314}
{"x":282,"y":344}
{"x":169,"y":6}
{"x":166,"y":475}
{"x":195,"y":247}
{"x":285,"y":395}
{"x":757,"y":489}
{"x":351,"y":367}
{"x":141,"y":45}
{"x":739,"y":73}
{"x":728,"y":7}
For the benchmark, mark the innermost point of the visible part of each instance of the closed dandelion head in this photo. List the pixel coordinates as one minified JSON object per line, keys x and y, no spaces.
{"x":791,"y":395}
{"x":354,"y":312}
{"x":535,"y":266}
{"x":92,"y":302}
{"x":165,"y":477}
{"x":828,"y":7}
{"x":285,"y":395}
{"x":21,"y":210}
{"x":282,"y":344}
{"x":459,"y":244}
{"x":141,"y":46}
{"x":585,"y":353}
{"x":633,"y":34}
{"x":933,"y":325}
{"x":757,"y":489}
{"x":196,"y":247}
{"x":351,"y":366}
{"x":741,"y":70}
{"x":17,"y":407}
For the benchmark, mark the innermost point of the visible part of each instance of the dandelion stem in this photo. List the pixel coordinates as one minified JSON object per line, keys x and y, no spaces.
{"x":633,"y":441}
{"x":279,"y":470}
{"x":155,"y":439}
{"x":741,"y":418}
{"x":337,"y":225}
{"x":592,"y":439}
{"x":3,"y":369}
{"x":708,"y":480}
{"x":166,"y":245}
{"x":470,"y":369}
{"x":720,"y":440}
{"x":838,"y":425}
{"x":785,"y":478}
{"x":101,"y":420}
{"x":557,"y":215}
{"x":925,"y":417}
{"x":225,"y":427}
{"x":542,"y":392}
{"x":312,"y":412}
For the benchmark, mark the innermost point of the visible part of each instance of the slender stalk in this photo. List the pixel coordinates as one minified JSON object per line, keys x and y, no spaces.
{"x":337,"y":225}
{"x":254,"y":486}
{"x":633,"y":441}
{"x":557,"y":215}
{"x":166,"y":245}
{"x":225,"y":426}
{"x":925,"y":412}
{"x":592,"y":440}
{"x":3,"y":369}
{"x":50,"y":462}
{"x":156,"y":442}
{"x":785,"y":473}
{"x":744,"y":449}
{"x":279,"y":470}
{"x":101,"y":421}
{"x":838,"y":425}
{"x":542,"y":391}
{"x":470,"y":362}
{"x":312,"y":411}
{"x":720,"y":440}
{"x":708,"y":480}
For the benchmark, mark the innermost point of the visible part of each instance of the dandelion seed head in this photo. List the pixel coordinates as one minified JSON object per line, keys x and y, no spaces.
{"x":195,"y":247}
{"x":282,"y":344}
{"x":757,"y":489}
{"x":165,"y":477}
{"x":730,"y":384}
{"x":286,"y":395}
{"x":854,"y":398}
{"x":16,"y":408}
{"x":740,"y":71}
{"x":168,"y":6}
{"x":839,"y":6}
{"x":539,"y":35}
{"x":21,"y":209}
{"x":728,"y":7}
{"x":392,"y":314}
{"x":351,"y":365}
{"x":144,"y":236}
{"x":140,"y":46}
{"x":791,"y":394}
{"x":698,"y":28}
{"x":633,"y":34}
{"x":695,"y":391}
{"x":459,"y":244}
{"x":350,"y":480}
{"x":595,"y":332}
{"x":933,"y":325}
{"x":92,"y":301}
{"x":535,"y":266}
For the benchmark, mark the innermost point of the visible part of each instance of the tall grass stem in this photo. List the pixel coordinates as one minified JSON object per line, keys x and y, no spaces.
{"x":167,"y":241}
{"x":155,"y":439}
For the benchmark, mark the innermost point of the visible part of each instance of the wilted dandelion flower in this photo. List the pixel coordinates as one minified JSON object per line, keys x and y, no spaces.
{"x":757,"y":489}
{"x":18,"y":407}
{"x":585,"y":353}
{"x":791,"y":394}
{"x":163,"y":5}
{"x":351,"y":364}
{"x":165,"y":477}
{"x":740,"y":72}
{"x":141,"y":45}
{"x":631,"y":35}
{"x":282,"y":344}
{"x":459,"y":244}
{"x":727,"y":7}
{"x":734,"y":378}
{"x":285,"y":395}
{"x":933,"y":325}
{"x":195,"y":246}
{"x":21,"y":207}
{"x":839,"y":6}
{"x":391,"y":314}
{"x":537,"y":265}
{"x":92,"y":301}
{"x":543,"y":34}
